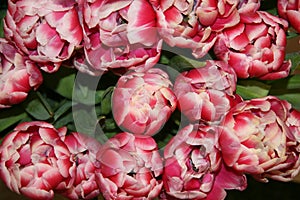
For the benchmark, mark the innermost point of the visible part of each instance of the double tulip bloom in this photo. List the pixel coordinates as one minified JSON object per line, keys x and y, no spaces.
{"x":290,"y":10}
{"x":142,"y":102}
{"x":194,"y":166}
{"x":255,"y":47}
{"x":37,"y":160}
{"x":81,"y":183}
{"x":18,"y":75}
{"x":118,"y":34}
{"x":130,"y":166}
{"x":260,"y":137}
{"x":205,"y":94}
{"x":47,"y":31}
{"x":34,"y":160}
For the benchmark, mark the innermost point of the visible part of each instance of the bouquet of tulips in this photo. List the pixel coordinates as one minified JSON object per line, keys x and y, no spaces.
{"x":148,"y":99}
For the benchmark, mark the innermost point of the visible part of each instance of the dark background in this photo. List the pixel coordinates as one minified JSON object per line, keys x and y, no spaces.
{"x":255,"y":191}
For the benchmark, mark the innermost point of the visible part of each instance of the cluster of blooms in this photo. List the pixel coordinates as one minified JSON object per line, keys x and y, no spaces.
{"x":226,"y":137}
{"x":38,"y":160}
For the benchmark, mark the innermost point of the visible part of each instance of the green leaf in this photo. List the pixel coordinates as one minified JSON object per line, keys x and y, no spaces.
{"x":2,"y":15}
{"x":62,"y":81}
{"x":165,"y":56}
{"x":85,"y":120}
{"x":293,"y":83}
{"x":37,"y":106}
{"x":182,"y":63}
{"x":106,"y":101}
{"x":65,"y":120}
{"x":273,"y":11}
{"x":269,"y":6}
{"x":86,"y":89}
{"x":11,"y":116}
{"x":249,"y":89}
{"x":292,"y":98}
{"x":292,"y":34}
{"x":288,"y":89}
{"x":62,"y":109}
{"x":164,"y":59}
{"x":83,"y":94}
{"x":109,"y":126}
{"x":295,"y":59}
{"x":290,"y":84}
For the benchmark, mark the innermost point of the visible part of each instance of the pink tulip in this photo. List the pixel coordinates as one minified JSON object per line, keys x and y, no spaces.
{"x":194,"y":168}
{"x":205,"y":94}
{"x":129,"y":168}
{"x":293,"y":122}
{"x":34,"y":159}
{"x":248,"y":6}
{"x":47,"y":31}
{"x":82,"y":181}
{"x":255,"y":47}
{"x":118,"y":36}
{"x":194,"y":24}
{"x":261,"y":137}
{"x":290,"y":10}
{"x":143,"y":101}
{"x":18,"y":75}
